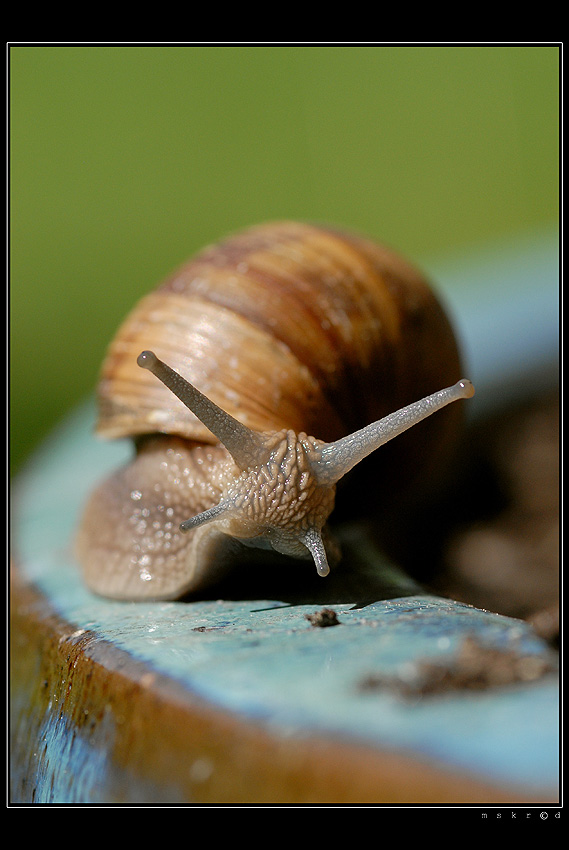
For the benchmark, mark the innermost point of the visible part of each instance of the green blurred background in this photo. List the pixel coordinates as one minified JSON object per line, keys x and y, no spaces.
{"x":124,"y":160}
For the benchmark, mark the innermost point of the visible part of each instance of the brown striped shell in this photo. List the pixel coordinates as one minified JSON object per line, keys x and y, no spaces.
{"x":284,"y":325}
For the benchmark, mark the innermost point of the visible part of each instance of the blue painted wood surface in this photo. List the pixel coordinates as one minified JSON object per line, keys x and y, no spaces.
{"x":260,"y":658}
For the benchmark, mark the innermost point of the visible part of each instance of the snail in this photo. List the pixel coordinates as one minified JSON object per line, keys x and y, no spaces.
{"x":252,"y":381}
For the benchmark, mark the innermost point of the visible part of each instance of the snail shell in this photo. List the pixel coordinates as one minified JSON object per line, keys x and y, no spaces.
{"x":293,"y":330}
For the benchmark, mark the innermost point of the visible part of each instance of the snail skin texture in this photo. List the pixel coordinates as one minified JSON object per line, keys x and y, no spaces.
{"x":222,"y":375}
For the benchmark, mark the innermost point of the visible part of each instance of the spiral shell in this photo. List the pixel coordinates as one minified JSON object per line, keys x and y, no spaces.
{"x":284,"y":325}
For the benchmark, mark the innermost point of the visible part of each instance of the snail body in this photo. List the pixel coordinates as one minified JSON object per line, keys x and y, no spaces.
{"x":288,"y":330}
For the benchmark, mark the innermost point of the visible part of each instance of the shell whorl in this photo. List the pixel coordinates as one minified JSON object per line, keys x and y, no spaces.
{"x":284,"y":325}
